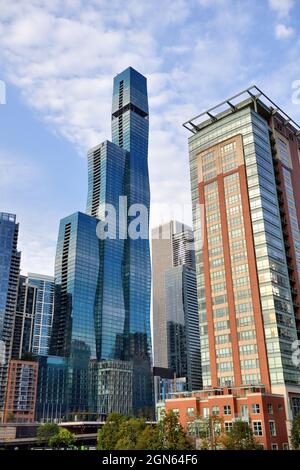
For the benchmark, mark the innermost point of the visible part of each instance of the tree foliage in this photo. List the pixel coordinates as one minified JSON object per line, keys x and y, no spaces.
{"x":123,"y":433}
{"x":240,"y":437}
{"x":63,"y":438}
{"x":46,"y":431}
{"x":295,"y":433}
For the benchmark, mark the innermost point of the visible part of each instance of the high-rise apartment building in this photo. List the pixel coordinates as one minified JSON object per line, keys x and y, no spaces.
{"x":21,"y":391}
{"x":102,"y":277}
{"x":10,"y":259}
{"x":34,"y":314}
{"x":245,"y":168}
{"x":24,"y":319}
{"x":175,"y":309}
{"x":44,"y":308}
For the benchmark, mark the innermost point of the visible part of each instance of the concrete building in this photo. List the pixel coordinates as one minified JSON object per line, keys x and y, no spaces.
{"x":176,"y":339}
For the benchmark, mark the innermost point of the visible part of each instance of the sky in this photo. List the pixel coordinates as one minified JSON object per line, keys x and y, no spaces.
{"x":58,"y":59}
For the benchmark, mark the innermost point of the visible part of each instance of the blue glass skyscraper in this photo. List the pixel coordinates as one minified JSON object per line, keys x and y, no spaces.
{"x":130,"y":129}
{"x":103,"y":286}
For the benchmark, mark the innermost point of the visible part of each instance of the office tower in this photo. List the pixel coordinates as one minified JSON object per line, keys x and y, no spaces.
{"x":44,"y":307}
{"x":9,"y":275}
{"x":24,"y":319}
{"x":51,"y":399}
{"x":130,"y":129}
{"x":244,"y":162}
{"x":102,"y":277}
{"x":175,"y":307}
{"x":112,"y":387}
{"x":21,"y":391}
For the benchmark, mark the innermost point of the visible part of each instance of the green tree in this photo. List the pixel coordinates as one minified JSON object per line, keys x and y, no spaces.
{"x":130,"y":432}
{"x":170,"y":434}
{"x":148,"y":439}
{"x":63,"y":438}
{"x":108,"y":434}
{"x":240,"y":437}
{"x":46,"y":431}
{"x":295,"y":433}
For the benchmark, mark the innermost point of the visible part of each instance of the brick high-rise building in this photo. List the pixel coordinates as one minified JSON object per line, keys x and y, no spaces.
{"x":245,"y":170}
{"x":21,"y":391}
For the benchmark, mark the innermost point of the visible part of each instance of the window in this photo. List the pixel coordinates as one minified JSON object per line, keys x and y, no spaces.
{"x":190,"y":411}
{"x":285,"y":446}
{"x":256,"y":408}
{"x":228,"y":426}
{"x":215,"y":410}
{"x":274,"y":446}
{"x":227,"y":410}
{"x":270,"y":408}
{"x":205,"y":412}
{"x":176,"y":411}
{"x":257,"y":428}
{"x":244,"y":411}
{"x":272,"y":428}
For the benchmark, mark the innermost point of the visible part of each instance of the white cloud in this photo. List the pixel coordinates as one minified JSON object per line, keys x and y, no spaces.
{"x":63,"y":56}
{"x":281,"y":7}
{"x":283,"y":32}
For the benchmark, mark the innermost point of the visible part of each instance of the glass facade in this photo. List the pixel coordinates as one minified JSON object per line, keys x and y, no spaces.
{"x":102,"y":281}
{"x":51,"y":401}
{"x":130,"y":129}
{"x":183,"y":325}
{"x":175,"y":308}
{"x":9,"y":275}
{"x":43,"y":317}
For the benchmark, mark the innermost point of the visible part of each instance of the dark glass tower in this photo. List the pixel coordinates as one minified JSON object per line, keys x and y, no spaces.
{"x":130,"y":129}
{"x":103,"y":286}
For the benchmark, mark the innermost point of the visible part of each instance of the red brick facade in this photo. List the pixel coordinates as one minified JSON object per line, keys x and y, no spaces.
{"x":229,"y":405}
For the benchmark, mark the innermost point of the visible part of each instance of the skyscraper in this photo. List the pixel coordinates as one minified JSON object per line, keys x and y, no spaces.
{"x":102,"y":310}
{"x":44,"y":308}
{"x":130,"y":129}
{"x":175,"y":308}
{"x":10,"y":259}
{"x":244,"y":161}
{"x":24,"y":319}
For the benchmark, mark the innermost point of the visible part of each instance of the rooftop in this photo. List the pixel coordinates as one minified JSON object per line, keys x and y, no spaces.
{"x":251,"y":96}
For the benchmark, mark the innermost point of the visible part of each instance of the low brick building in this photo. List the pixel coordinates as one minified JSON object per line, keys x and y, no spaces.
{"x":264,"y":412}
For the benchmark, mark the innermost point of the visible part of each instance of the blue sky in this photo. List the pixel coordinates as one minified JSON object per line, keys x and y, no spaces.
{"x":58,"y":59}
